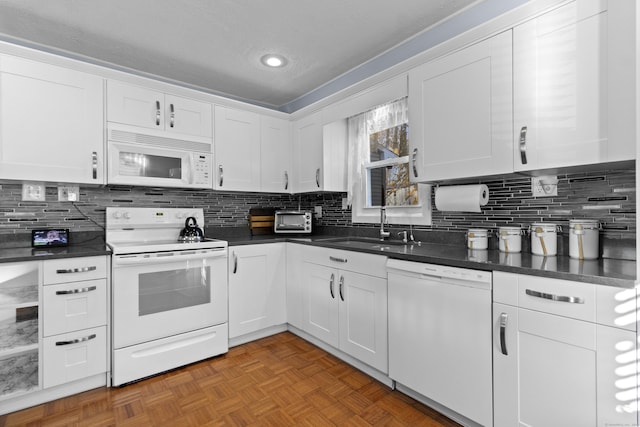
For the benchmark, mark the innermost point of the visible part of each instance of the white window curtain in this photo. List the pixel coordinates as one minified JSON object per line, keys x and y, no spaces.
{"x":386,"y":116}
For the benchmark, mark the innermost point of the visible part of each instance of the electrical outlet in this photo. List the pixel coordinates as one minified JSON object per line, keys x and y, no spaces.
{"x":33,"y":192}
{"x":544,"y":186}
{"x":345,"y":203}
{"x":317,"y":211}
{"x":68,"y":193}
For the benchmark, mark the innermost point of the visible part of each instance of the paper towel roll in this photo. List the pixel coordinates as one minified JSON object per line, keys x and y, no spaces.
{"x":462,"y":198}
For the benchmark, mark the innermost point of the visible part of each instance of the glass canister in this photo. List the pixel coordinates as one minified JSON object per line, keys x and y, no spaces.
{"x":544,"y":238}
{"x":584,"y":239}
{"x":477,"y":238}
{"x":510,"y":239}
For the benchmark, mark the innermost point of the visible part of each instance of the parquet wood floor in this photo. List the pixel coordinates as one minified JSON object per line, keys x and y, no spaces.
{"x":280,"y":380}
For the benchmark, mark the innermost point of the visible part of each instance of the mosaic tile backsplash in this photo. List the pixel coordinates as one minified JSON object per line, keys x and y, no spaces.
{"x":607,"y":195}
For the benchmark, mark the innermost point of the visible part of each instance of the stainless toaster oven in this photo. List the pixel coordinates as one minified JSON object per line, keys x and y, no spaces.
{"x":292,"y":222}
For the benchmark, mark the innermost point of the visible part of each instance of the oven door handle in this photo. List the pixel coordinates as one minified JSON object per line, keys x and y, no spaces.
{"x":163,"y":257}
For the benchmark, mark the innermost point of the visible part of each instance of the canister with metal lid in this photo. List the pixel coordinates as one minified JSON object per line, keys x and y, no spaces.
{"x":544,"y":238}
{"x":477,"y":238}
{"x":510,"y":239}
{"x":584,"y":239}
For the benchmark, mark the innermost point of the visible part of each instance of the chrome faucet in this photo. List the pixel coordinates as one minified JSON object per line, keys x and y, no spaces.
{"x":404,"y":236}
{"x":383,"y":218}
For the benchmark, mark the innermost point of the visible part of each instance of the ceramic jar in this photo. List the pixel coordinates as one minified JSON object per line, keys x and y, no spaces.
{"x":544,"y":239}
{"x":510,"y":239}
{"x":584,"y":239}
{"x":477,"y":238}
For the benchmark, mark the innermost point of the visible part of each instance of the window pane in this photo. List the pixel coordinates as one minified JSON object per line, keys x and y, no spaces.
{"x":389,"y":143}
{"x":390,"y":186}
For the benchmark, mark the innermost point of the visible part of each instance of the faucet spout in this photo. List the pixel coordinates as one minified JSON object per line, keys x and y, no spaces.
{"x":383,"y":218}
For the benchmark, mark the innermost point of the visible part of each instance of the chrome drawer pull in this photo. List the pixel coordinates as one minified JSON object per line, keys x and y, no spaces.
{"x":560,"y":298}
{"x":503,"y":331}
{"x":157,"y":113}
{"x":76,"y":291}
{"x":76,"y":341}
{"x":77,"y":270}
{"x":332,"y":258}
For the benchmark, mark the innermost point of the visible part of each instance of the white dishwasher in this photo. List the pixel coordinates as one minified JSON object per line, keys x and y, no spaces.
{"x":440,"y":342}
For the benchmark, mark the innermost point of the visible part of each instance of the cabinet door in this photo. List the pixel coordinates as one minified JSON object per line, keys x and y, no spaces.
{"x":321,"y":317}
{"x":275,"y":155}
{"x":363,"y":318}
{"x":460,"y":112}
{"x":51,"y":123}
{"x":560,"y":87}
{"x":237,"y":150}
{"x":256,"y":288}
{"x":74,"y":306}
{"x":307,"y":151}
{"x":135,"y":105}
{"x":548,"y":376}
{"x":188,"y":116}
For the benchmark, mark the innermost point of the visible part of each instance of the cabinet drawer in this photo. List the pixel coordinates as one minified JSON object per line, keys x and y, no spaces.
{"x":74,"y":269}
{"x":560,"y":297}
{"x":372,"y":265}
{"x":73,"y":356}
{"x":74,"y":306}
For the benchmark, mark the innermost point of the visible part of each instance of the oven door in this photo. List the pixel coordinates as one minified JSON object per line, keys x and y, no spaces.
{"x":157,"y":295}
{"x":134,"y":164}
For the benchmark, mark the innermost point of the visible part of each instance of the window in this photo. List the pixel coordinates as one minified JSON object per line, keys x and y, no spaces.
{"x":379,"y":170}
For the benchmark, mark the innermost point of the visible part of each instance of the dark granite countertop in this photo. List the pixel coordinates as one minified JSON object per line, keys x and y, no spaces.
{"x":610,"y":272}
{"x":92,"y":246}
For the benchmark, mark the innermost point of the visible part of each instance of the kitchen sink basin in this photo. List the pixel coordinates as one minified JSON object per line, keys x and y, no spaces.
{"x":366,"y":243}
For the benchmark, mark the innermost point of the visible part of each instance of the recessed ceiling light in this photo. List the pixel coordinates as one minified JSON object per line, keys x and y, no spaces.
{"x":273,"y":60}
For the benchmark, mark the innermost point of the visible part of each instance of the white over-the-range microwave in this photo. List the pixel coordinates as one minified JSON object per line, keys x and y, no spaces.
{"x":153,"y":159}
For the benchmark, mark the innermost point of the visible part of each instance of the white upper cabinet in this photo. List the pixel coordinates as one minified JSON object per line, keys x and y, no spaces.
{"x":460,"y":113}
{"x":571,"y":86}
{"x":138,"y":106}
{"x":237,"y":150}
{"x":307,"y":153}
{"x":275,"y":155}
{"x":51,"y":123}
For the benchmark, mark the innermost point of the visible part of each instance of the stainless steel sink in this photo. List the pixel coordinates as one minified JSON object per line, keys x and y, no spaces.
{"x":366,"y":243}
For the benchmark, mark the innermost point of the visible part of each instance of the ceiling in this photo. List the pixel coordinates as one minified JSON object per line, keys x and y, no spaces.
{"x":216,"y":45}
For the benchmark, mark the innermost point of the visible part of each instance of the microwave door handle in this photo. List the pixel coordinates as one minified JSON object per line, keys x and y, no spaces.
{"x":190,"y":169}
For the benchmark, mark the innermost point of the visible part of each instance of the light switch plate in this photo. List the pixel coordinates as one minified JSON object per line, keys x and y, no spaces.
{"x":33,"y":192}
{"x":345,"y":203}
{"x":68,"y":193}
{"x":317,"y":211}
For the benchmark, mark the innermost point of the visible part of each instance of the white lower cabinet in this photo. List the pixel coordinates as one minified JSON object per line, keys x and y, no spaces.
{"x":345,"y":302}
{"x":75,"y":319}
{"x":256,"y":288}
{"x":557,"y":360}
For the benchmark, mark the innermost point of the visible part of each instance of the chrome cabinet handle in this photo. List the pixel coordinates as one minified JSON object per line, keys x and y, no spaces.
{"x":523,"y":145}
{"x":76,"y":341}
{"x":76,"y":291}
{"x":94,"y":164}
{"x":318,"y":177}
{"x":235,"y":263}
{"x":332,"y":258}
{"x":414,"y":157}
{"x":172,"y":117}
{"x":221,"y":170}
{"x":157,"y":113}
{"x":340,"y":287}
{"x":503,"y":333}
{"x":333,"y":296}
{"x":559,"y":298}
{"x":76,"y":270}
{"x":286,"y":180}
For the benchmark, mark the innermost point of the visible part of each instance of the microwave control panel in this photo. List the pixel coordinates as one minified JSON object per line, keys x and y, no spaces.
{"x":202,"y":169}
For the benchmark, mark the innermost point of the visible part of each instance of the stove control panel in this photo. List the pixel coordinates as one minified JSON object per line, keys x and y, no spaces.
{"x":149,"y":217}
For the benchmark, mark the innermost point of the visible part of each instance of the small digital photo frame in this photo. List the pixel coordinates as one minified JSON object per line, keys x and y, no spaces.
{"x":51,"y":237}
